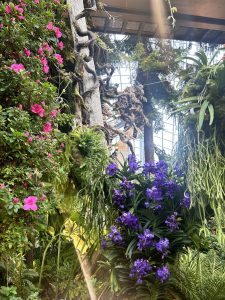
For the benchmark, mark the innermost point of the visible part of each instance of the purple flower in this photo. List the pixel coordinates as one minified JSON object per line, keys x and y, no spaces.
{"x":172,"y":188}
{"x":132,"y":163}
{"x":163,"y":273}
{"x":126,"y":184}
{"x":160,"y":173}
{"x":103,"y":243}
{"x":145,"y":240}
{"x":140,"y":269}
{"x":158,"y":207}
{"x":186,"y":201}
{"x":178,"y":171}
{"x":172,"y":223}
{"x":147,"y":204}
{"x":111,"y":169}
{"x":154,"y":194}
{"x":161,"y":166}
{"x":162,"y":246}
{"x":115,"y":235}
{"x":149,"y":167}
{"x":119,"y":197}
{"x":129,"y":220}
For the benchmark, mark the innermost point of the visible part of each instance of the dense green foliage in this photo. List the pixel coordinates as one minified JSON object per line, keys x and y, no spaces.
{"x":44,"y":172}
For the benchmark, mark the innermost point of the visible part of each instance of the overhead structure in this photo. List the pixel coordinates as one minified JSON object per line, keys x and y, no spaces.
{"x":196,"y":20}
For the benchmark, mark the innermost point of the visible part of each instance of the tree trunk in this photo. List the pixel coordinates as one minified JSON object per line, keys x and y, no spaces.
{"x":149,"y":142}
{"x":142,"y":77}
{"x":93,"y":99}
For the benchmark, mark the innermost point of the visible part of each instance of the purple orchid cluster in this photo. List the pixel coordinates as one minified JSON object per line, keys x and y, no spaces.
{"x":123,"y":192}
{"x":140,"y":269}
{"x":145,"y":240}
{"x":115,"y":235}
{"x":129,"y":220}
{"x":132,"y":163}
{"x":172,"y":223}
{"x":157,"y":187}
{"x":112,"y":169}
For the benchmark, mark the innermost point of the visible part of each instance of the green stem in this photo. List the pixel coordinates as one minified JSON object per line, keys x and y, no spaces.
{"x":43,"y":259}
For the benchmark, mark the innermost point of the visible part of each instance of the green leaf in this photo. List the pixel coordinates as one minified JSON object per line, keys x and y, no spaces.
{"x":211,"y":113}
{"x":202,"y":114}
{"x":186,"y":107}
{"x":188,"y":99}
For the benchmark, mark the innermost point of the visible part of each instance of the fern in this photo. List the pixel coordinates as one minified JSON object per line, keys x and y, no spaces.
{"x":200,"y":276}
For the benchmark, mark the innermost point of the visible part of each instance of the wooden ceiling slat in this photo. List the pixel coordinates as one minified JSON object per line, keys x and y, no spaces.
{"x":204,"y":17}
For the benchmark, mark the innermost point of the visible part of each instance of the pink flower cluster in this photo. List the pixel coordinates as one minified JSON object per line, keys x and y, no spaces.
{"x":17,"y":67}
{"x":19,"y":8}
{"x":38,"y":109}
{"x":59,"y":58}
{"x":45,"y":65}
{"x":27,"y":52}
{"x":53,"y":113}
{"x":57,"y":31}
{"x":30,"y":203}
{"x":47,"y":127}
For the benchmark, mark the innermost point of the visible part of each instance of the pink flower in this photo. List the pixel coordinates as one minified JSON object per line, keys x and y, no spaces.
{"x":58,"y":33}
{"x":40,"y":51}
{"x":8,"y":9}
{"x":16,"y":200}
{"x":22,"y":4}
{"x":43,"y":103}
{"x":57,"y":1}
{"x":59,"y":151}
{"x":36,"y":1}
{"x":61,"y":45}
{"x":38,"y":109}
{"x":47,"y":47}
{"x":62,"y":145}
{"x":45,"y":65}
{"x":1,"y":25}
{"x":30,"y":139}
{"x":46,"y":70}
{"x":20,"y":106}
{"x":38,"y":81}
{"x":43,"y":197}
{"x":21,"y":17}
{"x":19,"y":9}
{"x":30,"y":203}
{"x":50,"y":26}
{"x":48,"y":127}
{"x":27,"y":52}
{"x":44,"y":61}
{"x":2,"y":185}
{"x":27,"y":133}
{"x":49,"y":155}
{"x":59,"y":59}
{"x":53,"y":113}
{"x":17,"y":67}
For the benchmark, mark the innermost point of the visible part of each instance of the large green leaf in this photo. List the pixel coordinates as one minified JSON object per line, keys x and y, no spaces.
{"x":202,"y":114}
{"x":202,"y":57}
{"x":211,"y":113}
